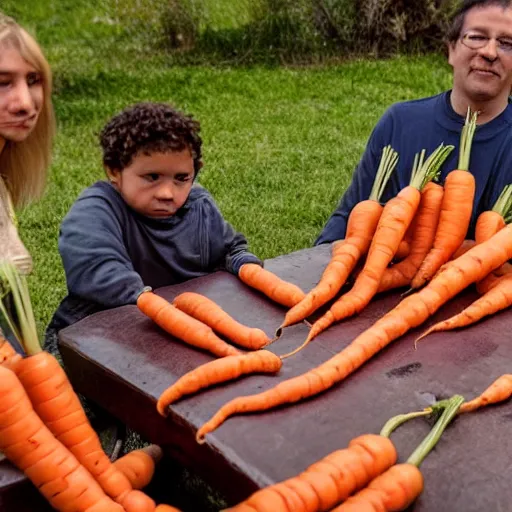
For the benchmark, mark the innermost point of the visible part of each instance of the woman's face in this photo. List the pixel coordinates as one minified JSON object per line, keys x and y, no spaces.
{"x":21,"y":95}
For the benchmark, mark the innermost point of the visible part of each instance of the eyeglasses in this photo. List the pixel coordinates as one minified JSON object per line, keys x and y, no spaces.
{"x":476,"y":41}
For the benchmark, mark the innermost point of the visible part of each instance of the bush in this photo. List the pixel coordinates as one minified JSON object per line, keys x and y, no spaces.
{"x":292,"y":30}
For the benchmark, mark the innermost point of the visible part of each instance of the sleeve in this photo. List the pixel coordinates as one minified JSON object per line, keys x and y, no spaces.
{"x":235,"y":244}
{"x":94,"y":255}
{"x":362,"y":181}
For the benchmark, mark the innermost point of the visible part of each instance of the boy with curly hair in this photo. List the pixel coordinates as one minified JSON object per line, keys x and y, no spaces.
{"x":149,"y":224}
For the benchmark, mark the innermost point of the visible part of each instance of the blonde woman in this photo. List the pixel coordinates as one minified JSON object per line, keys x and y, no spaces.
{"x":27,"y":127}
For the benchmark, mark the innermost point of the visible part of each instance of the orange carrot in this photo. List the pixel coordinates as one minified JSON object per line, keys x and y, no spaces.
{"x":404,"y":247}
{"x":209,"y":313}
{"x":58,"y":406}
{"x":393,"y":223}
{"x":361,"y":227}
{"x":139,"y":465}
{"x":392,"y":491}
{"x":497,"y":298}
{"x":166,"y":508}
{"x":280,"y":291}
{"x":463,"y":248}
{"x":28,"y":444}
{"x":183,"y":326}
{"x":409,"y":313}
{"x":8,"y":356}
{"x":487,"y":224}
{"x":490,"y":281}
{"x":499,"y":391}
{"x":456,"y":210}
{"x":216,"y":371}
{"x":328,"y":481}
{"x":424,"y":228}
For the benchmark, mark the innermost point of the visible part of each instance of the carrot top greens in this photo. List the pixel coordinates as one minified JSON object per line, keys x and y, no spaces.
{"x":23,"y":325}
{"x":466,"y":140}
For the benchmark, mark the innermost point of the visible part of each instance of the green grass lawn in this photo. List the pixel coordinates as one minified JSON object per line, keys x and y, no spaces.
{"x":280,"y":144}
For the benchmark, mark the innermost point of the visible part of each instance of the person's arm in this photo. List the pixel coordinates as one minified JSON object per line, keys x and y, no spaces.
{"x":234,"y":243}
{"x":362,"y":181}
{"x":94,"y":255}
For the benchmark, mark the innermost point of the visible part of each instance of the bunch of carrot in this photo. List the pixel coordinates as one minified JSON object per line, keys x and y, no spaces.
{"x":44,"y":430}
{"x":365,"y":476}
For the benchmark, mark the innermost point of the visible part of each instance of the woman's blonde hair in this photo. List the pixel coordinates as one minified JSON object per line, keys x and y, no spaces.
{"x":24,"y":165}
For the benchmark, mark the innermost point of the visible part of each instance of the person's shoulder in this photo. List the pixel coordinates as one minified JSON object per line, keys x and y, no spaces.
{"x":198,"y":197}
{"x":97,"y":198}
{"x":415,"y":106}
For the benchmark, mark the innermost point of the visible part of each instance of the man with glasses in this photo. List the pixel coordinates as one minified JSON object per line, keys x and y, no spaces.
{"x":480,"y":53}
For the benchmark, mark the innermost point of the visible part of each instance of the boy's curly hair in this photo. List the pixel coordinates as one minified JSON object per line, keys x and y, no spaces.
{"x":148,"y":128}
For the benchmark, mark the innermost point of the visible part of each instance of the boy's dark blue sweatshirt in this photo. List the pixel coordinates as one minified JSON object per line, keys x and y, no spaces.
{"x":110,"y":252}
{"x":412,"y":126}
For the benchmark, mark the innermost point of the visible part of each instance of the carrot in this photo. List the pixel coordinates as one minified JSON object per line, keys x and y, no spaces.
{"x":280,"y":291}
{"x":409,"y":313}
{"x":361,"y":227}
{"x":489,"y":223}
{"x":58,"y":406}
{"x":29,"y":444}
{"x":166,"y":508}
{"x":139,"y":465}
{"x":393,"y":223}
{"x":395,"y":489}
{"x":8,"y":356}
{"x":456,"y":209}
{"x":424,"y":229}
{"x":463,"y":248}
{"x":404,"y":247}
{"x":497,"y":298}
{"x":209,"y":313}
{"x":327,"y":481}
{"x":491,"y":280}
{"x":216,"y":371}
{"x":182,"y":326}
{"x":499,"y":391}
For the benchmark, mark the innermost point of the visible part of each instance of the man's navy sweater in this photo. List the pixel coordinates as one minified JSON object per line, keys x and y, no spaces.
{"x":110,"y":252}
{"x":412,"y":126}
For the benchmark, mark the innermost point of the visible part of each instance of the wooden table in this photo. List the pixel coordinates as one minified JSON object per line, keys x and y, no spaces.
{"x":121,"y":360}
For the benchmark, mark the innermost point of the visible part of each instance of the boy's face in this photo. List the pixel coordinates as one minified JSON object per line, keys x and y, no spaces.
{"x":156,"y":185}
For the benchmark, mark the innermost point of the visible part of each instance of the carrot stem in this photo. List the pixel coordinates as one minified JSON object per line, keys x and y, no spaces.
{"x":466,"y":140}
{"x":425,"y":171}
{"x":504,"y":202}
{"x":26,"y":334}
{"x":387,"y":164}
{"x":392,"y":424}
{"x":425,"y":447}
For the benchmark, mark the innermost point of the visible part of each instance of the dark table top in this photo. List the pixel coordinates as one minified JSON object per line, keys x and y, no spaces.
{"x":121,"y":360}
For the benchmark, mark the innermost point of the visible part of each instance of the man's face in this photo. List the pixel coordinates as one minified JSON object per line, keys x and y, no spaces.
{"x":485,"y":73}
{"x":156,"y":185}
{"x":21,"y":95}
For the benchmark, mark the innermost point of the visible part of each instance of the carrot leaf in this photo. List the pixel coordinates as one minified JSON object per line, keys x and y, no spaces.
{"x":387,"y":164}
{"x":425,"y":171}
{"x":450,"y":411}
{"x":503,"y":204}
{"x":24,"y":325}
{"x":466,"y":140}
